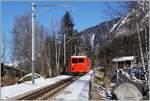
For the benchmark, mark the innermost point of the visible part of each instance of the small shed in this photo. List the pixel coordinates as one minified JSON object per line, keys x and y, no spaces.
{"x":125,"y":61}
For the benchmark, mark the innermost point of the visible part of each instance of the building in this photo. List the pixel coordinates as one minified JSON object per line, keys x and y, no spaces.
{"x":124,"y":62}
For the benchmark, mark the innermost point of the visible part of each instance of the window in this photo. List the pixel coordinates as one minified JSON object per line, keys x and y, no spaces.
{"x":81,"y":60}
{"x":74,"y":60}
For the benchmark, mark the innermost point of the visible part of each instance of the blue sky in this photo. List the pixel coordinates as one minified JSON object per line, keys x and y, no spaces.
{"x":85,"y":14}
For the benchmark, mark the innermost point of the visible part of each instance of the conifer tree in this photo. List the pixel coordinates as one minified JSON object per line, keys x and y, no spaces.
{"x":67,"y":28}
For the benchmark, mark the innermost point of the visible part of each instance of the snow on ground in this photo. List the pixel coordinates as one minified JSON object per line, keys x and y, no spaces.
{"x":8,"y":92}
{"x":78,"y":90}
{"x":114,"y":26}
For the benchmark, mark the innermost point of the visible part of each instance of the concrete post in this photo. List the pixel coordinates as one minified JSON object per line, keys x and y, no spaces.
{"x":33,"y":42}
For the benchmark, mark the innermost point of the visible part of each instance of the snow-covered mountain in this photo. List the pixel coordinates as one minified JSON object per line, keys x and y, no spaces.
{"x":95,"y":36}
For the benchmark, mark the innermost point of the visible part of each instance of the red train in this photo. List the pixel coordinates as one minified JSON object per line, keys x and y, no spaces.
{"x":79,"y":64}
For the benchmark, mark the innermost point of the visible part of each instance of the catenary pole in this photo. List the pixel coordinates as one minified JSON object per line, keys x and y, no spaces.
{"x":64,"y":53}
{"x":33,"y":42}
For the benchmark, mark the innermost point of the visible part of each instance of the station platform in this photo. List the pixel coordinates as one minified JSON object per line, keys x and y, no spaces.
{"x":78,"y":90}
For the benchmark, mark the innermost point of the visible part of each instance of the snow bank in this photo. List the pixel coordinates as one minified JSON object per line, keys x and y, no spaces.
{"x":78,"y":90}
{"x":9,"y":92}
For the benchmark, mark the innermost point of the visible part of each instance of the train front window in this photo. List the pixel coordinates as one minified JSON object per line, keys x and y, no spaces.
{"x":81,"y":60}
{"x":74,"y":60}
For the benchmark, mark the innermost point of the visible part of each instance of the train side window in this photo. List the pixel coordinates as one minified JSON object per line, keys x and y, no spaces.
{"x":74,"y":60}
{"x":81,"y":60}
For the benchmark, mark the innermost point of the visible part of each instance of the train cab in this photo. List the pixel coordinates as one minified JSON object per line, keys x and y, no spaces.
{"x":79,"y":64}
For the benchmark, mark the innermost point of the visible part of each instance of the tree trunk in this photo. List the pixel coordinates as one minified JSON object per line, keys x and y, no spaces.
{"x":141,"y":52}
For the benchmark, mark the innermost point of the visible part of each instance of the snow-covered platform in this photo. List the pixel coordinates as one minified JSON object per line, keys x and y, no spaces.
{"x":78,"y":90}
{"x":11,"y":92}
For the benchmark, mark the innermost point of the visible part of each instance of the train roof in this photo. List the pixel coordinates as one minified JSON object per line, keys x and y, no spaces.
{"x":78,"y":56}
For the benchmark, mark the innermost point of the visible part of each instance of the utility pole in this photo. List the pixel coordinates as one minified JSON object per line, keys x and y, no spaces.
{"x":33,"y":42}
{"x":64,"y":53}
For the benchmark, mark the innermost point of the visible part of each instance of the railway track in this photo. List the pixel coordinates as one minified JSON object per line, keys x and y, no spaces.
{"x":48,"y":91}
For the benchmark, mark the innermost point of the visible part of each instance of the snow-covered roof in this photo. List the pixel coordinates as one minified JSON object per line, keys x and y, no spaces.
{"x":125,"y":58}
{"x":78,"y":56}
{"x":11,"y":64}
